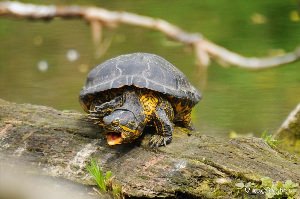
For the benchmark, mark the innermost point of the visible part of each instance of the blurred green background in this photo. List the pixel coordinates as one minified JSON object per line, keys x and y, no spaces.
{"x":46,"y":63}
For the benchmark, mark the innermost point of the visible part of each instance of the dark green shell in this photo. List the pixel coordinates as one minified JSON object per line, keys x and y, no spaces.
{"x":142,"y":70}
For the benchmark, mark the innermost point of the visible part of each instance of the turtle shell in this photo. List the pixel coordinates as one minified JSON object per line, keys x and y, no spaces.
{"x":142,"y":70}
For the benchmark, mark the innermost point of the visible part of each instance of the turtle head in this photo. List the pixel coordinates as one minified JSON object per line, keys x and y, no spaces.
{"x":122,"y":126}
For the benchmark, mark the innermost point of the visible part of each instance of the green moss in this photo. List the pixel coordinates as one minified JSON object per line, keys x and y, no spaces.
{"x":267,"y":188}
{"x":290,"y":145}
{"x":278,"y":189}
{"x":210,"y":189}
{"x":268,"y":138}
{"x":205,"y":189}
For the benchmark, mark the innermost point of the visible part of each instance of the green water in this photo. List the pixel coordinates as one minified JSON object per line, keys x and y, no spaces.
{"x":234,"y":99}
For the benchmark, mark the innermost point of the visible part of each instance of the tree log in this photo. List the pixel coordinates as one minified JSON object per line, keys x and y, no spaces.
{"x":61,"y":143}
{"x":289,"y":132}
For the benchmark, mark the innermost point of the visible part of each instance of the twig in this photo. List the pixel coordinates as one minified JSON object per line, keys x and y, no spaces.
{"x":205,"y":50}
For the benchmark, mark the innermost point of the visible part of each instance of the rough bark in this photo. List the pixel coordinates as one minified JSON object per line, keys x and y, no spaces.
{"x":62,"y":142}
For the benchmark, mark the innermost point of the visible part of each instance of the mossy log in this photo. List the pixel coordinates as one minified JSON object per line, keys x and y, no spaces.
{"x":61,"y":143}
{"x":289,"y":132}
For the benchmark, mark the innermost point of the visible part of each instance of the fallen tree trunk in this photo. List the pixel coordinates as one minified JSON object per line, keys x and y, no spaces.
{"x":289,"y":132}
{"x":61,"y":143}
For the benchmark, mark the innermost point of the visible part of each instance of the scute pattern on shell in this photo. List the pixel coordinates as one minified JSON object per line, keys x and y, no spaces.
{"x":142,"y":70}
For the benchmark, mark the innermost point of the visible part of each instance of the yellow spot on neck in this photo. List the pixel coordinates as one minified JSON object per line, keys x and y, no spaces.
{"x":149,"y":102}
{"x":125,"y":128}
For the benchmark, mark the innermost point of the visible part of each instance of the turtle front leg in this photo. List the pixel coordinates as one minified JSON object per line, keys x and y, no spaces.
{"x":164,"y":127}
{"x":99,"y":111}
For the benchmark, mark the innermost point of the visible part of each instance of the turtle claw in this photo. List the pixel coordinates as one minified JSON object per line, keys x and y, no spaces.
{"x":159,"y":140}
{"x":93,"y":115}
{"x":191,"y":128}
{"x":92,"y":111}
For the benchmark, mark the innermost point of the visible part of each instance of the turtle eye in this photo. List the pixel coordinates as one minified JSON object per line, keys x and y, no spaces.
{"x":132,"y":123}
{"x":115,"y":122}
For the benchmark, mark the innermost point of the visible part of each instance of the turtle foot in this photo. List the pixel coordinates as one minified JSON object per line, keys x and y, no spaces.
{"x":159,"y":140}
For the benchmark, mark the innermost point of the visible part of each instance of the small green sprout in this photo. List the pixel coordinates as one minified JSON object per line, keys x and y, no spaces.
{"x":268,"y":138}
{"x":104,"y":181}
{"x":96,"y":172}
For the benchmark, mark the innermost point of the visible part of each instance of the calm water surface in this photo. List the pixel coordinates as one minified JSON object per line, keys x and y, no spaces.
{"x":46,"y":62}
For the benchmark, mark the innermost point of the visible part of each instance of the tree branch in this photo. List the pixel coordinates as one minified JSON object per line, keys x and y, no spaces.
{"x":205,"y":50}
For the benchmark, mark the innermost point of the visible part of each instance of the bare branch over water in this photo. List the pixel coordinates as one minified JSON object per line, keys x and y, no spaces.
{"x":205,"y":50}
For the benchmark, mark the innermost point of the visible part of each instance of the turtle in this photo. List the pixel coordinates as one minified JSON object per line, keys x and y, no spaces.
{"x":127,"y":93}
